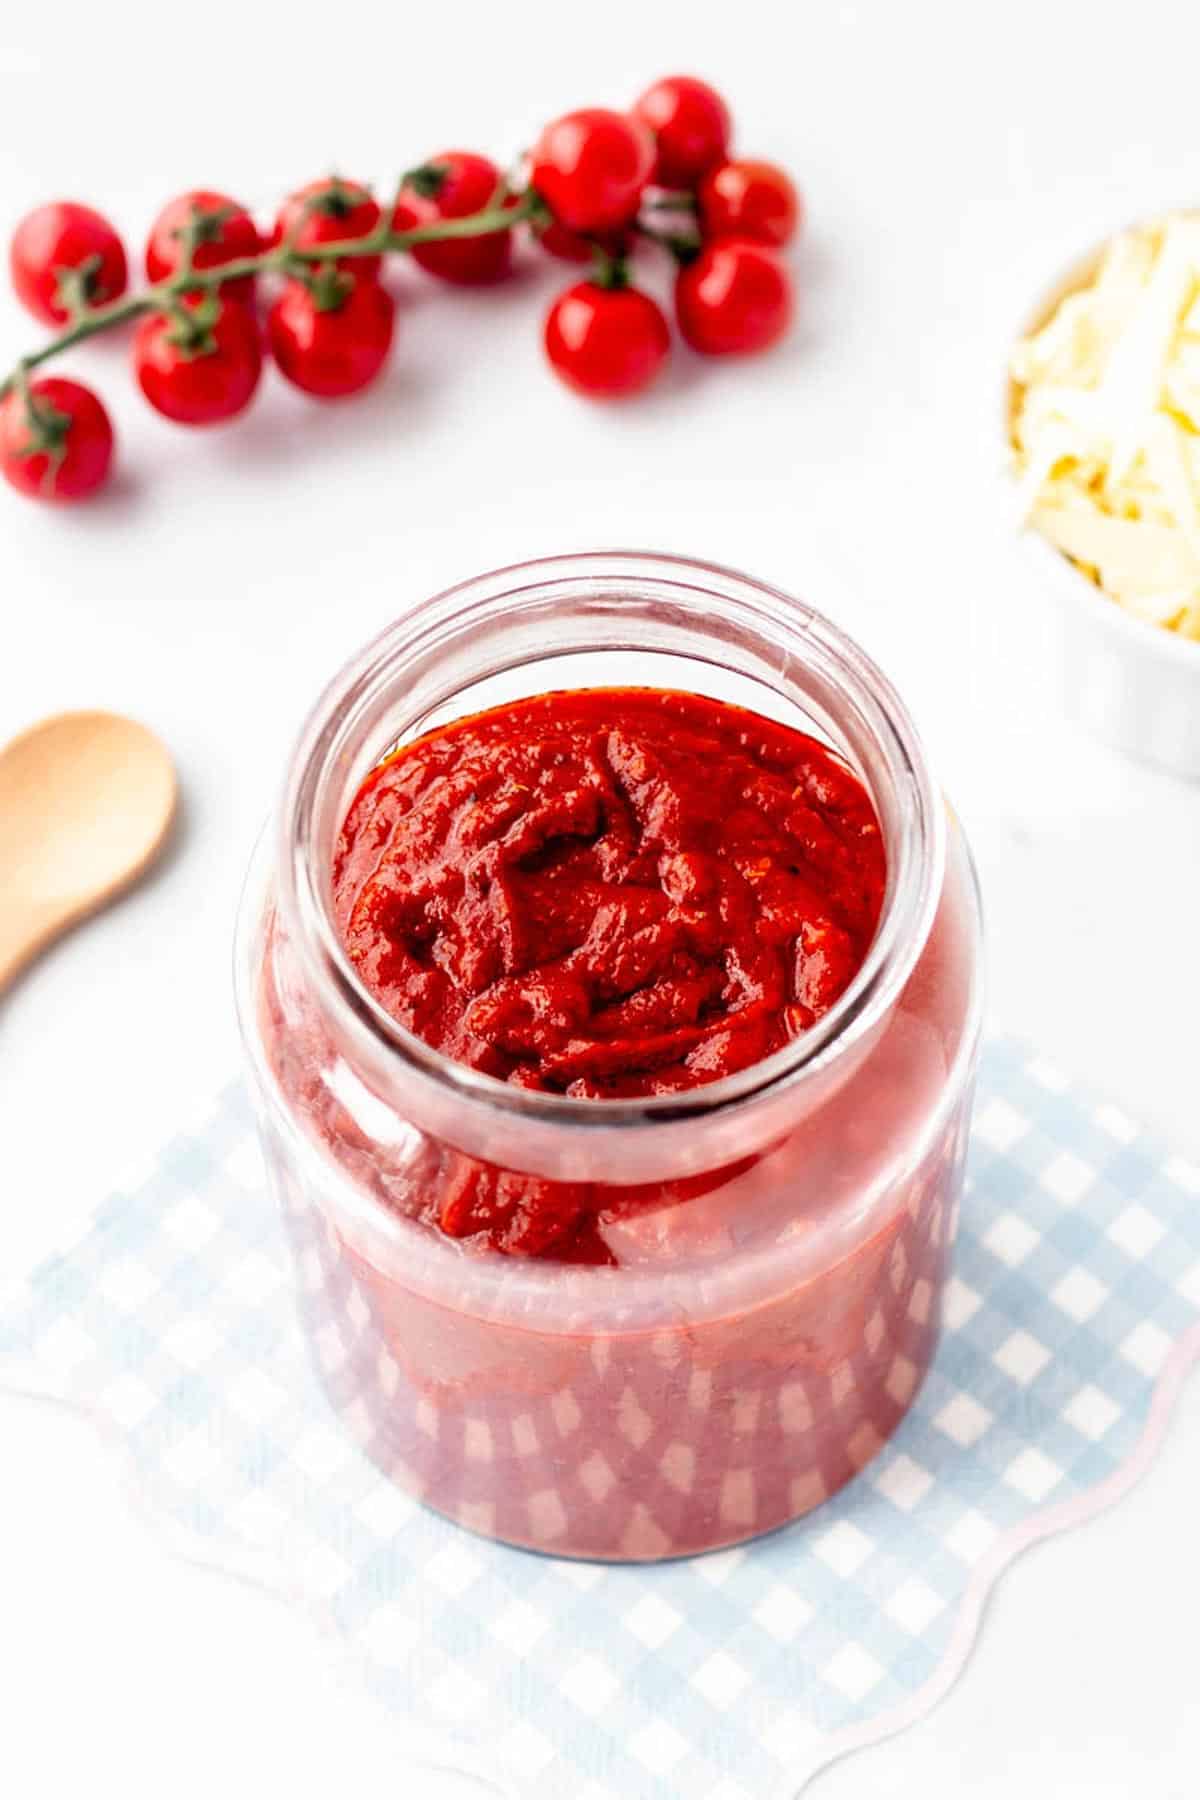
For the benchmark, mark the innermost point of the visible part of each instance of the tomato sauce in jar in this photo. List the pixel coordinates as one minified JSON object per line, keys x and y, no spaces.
{"x":614,"y":1051}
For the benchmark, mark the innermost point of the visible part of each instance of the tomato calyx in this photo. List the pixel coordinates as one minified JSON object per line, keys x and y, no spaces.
{"x":77,"y":288}
{"x":338,"y":199}
{"x":427,"y":180}
{"x":202,"y":226}
{"x":192,"y":322}
{"x":47,"y":429}
{"x":329,"y":286}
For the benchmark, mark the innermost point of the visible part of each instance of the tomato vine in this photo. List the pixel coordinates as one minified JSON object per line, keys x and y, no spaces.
{"x":595,"y":187}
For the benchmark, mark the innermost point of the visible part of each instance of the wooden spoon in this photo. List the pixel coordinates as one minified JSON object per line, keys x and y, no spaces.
{"x":86,"y":801}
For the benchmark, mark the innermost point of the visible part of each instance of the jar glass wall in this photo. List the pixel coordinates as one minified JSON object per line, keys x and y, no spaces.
{"x":777,"y":1295}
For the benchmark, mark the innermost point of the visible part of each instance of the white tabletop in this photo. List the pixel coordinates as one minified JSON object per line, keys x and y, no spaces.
{"x":953,"y":161}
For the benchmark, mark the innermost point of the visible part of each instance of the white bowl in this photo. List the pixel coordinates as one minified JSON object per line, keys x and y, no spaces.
{"x":1128,"y":681}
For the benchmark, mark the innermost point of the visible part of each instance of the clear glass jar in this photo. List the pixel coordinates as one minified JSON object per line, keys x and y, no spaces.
{"x":763,"y":1335}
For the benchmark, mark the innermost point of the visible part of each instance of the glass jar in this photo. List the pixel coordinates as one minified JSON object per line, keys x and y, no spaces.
{"x":772,"y":1316}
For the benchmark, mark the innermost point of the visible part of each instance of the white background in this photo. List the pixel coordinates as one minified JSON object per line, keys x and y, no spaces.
{"x":954,"y":157}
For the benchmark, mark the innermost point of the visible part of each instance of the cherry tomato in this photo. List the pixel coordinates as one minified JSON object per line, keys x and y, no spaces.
{"x":752,"y":200}
{"x":58,"y":238}
{"x":590,"y":168}
{"x":60,"y":445}
{"x":202,"y":371}
{"x":335,"y":348}
{"x":226,"y":233}
{"x":606,"y":341}
{"x":735,"y":298}
{"x":691,"y":127}
{"x":450,"y":186}
{"x":60,"y":448}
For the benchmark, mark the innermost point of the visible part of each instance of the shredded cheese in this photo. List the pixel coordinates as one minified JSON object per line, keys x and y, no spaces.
{"x":1106,"y":424}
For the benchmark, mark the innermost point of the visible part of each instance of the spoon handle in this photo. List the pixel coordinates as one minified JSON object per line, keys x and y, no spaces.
{"x":24,"y":929}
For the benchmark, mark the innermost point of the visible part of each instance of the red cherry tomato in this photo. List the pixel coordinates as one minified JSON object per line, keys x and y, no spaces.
{"x":606,"y":341}
{"x":691,"y":127}
{"x":227,"y":233}
{"x":452,"y":185}
{"x":735,"y":298}
{"x":60,"y":237}
{"x":590,"y":168}
{"x":61,"y":450}
{"x":331,"y":350}
{"x":326,"y":212}
{"x":752,"y":200}
{"x":202,"y":373}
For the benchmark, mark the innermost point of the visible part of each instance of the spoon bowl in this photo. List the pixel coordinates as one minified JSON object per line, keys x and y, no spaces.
{"x":86,"y":803}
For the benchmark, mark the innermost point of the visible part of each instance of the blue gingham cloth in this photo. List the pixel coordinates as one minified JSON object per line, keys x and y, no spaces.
{"x":730,"y":1677}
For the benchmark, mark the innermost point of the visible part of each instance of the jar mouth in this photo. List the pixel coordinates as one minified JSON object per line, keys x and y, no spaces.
{"x":796,"y":652}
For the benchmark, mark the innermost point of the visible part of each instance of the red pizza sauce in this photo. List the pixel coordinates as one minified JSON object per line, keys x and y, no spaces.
{"x":604,"y":893}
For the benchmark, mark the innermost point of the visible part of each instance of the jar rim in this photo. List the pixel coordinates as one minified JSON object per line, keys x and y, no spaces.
{"x":914,"y":880}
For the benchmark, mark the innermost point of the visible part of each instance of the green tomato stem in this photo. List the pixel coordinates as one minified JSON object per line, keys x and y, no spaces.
{"x":683,"y":249}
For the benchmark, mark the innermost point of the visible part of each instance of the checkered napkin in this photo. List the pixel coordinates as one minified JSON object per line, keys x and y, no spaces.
{"x":1073,"y":1310}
